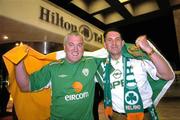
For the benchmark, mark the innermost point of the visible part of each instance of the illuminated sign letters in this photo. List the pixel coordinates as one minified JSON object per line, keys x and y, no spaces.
{"x":56,"y":19}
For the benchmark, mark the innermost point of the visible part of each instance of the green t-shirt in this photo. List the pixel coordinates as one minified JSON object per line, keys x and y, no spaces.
{"x":72,"y":87}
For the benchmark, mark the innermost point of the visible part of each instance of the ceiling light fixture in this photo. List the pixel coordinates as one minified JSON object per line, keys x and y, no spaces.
{"x":5,"y":37}
{"x":122,"y":1}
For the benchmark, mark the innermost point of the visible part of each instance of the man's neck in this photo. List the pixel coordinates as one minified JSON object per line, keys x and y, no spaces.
{"x":72,"y":62}
{"x":115,"y":57}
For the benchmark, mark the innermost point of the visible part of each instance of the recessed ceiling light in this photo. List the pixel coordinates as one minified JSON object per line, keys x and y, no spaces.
{"x":17,"y":44}
{"x":122,"y":1}
{"x":5,"y":37}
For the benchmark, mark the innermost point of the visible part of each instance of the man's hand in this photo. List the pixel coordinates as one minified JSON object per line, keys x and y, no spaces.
{"x":142,"y":43}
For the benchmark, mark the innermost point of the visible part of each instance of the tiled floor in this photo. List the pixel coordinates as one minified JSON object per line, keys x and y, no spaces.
{"x":169,"y":109}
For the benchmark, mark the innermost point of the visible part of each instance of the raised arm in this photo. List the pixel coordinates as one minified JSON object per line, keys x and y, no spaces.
{"x":22,"y":77}
{"x":164,"y":70}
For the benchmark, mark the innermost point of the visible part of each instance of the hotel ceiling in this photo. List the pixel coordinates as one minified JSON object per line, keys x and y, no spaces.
{"x":105,"y":13}
{"x":132,"y":17}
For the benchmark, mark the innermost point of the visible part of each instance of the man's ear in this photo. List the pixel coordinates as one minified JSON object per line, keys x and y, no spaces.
{"x":64,"y":47}
{"x":123,"y":42}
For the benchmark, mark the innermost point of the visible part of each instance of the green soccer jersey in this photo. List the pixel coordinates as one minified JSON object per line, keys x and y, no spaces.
{"x":72,"y":87}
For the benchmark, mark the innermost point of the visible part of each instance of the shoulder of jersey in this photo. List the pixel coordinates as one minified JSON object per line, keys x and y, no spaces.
{"x":88,"y":58}
{"x":56,"y":62}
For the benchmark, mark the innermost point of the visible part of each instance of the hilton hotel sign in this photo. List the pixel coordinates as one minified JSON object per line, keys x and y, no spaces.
{"x":55,"y":18}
